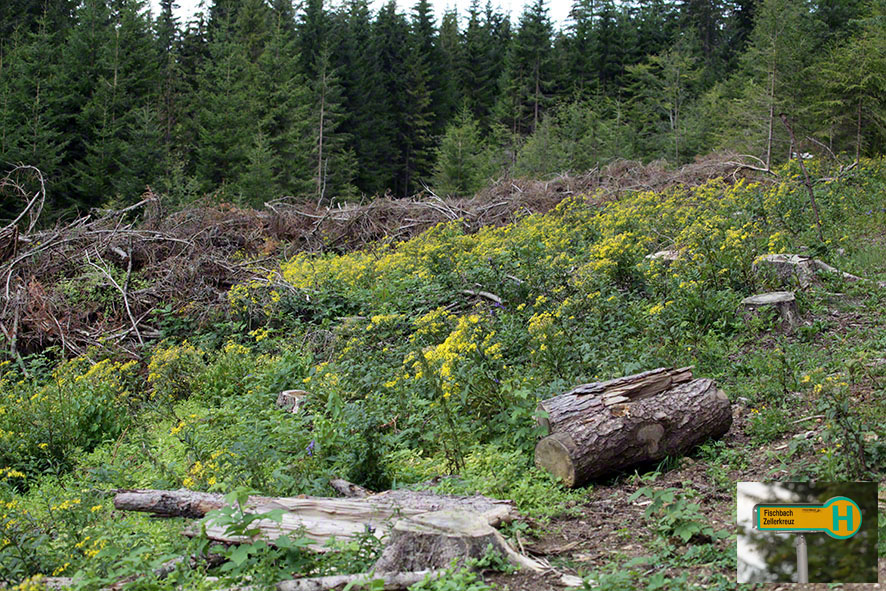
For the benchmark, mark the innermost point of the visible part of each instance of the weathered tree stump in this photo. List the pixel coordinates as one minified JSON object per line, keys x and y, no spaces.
{"x":800,"y":270}
{"x":291,"y":400}
{"x":592,"y":436}
{"x":433,"y":540}
{"x":787,"y":269}
{"x":783,"y":302}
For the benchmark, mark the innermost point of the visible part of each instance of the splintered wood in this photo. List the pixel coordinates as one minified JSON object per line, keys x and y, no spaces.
{"x":318,"y":518}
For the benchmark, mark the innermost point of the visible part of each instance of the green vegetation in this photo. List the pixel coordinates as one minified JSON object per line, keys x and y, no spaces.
{"x":433,"y":356}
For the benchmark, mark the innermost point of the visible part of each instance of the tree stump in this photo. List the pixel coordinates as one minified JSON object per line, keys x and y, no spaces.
{"x":433,"y":540}
{"x":291,"y":400}
{"x":592,"y":436}
{"x":783,"y":302}
{"x":787,"y":269}
{"x":796,"y":269}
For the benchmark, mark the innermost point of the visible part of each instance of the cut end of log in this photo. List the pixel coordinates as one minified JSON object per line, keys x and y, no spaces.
{"x":552,"y":454}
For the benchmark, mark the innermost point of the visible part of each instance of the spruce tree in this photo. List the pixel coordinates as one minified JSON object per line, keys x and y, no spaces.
{"x":529,"y":71}
{"x":366,"y":102}
{"x":226,"y":111}
{"x":663,"y":85}
{"x":450,"y":58}
{"x":285,"y":106}
{"x":29,"y":90}
{"x":121,"y":80}
{"x":852,"y":78}
{"x":333,"y":163}
{"x":462,"y":163}
{"x":775,"y":59}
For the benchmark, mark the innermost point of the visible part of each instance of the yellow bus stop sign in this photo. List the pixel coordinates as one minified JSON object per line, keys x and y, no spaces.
{"x":839,"y":517}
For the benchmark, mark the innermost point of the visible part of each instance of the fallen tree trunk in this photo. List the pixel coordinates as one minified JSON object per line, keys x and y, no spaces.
{"x":361,"y":581}
{"x":591,"y":438}
{"x":318,"y":518}
{"x":558,"y":412}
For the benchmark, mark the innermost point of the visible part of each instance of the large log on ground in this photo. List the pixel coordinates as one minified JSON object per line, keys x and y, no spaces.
{"x":361,"y":581}
{"x":559,"y":411}
{"x":318,"y":518}
{"x":596,"y":439}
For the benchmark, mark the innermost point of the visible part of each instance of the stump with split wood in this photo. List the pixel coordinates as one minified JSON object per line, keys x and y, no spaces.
{"x":601,"y":428}
{"x":434,"y":540}
{"x":783,"y":302}
{"x":291,"y":400}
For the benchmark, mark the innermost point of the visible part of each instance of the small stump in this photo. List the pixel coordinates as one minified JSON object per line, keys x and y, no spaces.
{"x":783,"y":302}
{"x":291,"y":400}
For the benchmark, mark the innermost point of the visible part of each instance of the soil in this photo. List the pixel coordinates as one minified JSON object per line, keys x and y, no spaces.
{"x":608,"y":528}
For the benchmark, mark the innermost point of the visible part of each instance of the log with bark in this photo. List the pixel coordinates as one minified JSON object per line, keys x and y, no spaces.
{"x":598,"y":429}
{"x":318,"y":518}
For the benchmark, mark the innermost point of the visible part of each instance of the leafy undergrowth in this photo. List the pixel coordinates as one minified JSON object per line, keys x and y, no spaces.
{"x":424,"y":361}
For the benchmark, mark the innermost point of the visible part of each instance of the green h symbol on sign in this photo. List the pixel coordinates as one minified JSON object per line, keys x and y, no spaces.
{"x":847,"y":518}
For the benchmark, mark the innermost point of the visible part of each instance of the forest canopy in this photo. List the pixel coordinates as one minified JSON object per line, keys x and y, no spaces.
{"x":258,"y":99}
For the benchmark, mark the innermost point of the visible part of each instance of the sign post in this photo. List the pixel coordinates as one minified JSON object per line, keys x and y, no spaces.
{"x":839,"y":517}
{"x":802,"y":560}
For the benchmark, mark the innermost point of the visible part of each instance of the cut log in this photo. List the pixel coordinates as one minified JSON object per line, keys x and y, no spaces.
{"x":575,"y":404}
{"x":597,"y":440}
{"x":318,"y":518}
{"x":783,"y":302}
{"x":433,"y":540}
{"x":291,"y":400}
{"x":361,"y":581}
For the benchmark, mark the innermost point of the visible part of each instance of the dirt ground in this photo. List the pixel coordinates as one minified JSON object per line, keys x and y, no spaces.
{"x":608,"y":528}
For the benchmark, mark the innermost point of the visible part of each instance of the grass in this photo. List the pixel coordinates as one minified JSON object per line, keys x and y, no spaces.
{"x":416,"y":377}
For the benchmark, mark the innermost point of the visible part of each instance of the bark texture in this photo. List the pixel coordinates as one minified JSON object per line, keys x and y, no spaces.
{"x":591,"y":439}
{"x":361,"y":581}
{"x":590,"y":398}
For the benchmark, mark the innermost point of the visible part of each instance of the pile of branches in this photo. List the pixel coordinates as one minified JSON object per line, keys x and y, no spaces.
{"x":98,"y":281}
{"x":110,"y":278}
{"x":352,"y":226}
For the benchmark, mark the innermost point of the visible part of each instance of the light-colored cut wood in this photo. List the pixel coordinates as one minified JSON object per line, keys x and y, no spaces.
{"x":318,"y":518}
{"x":783,"y":302}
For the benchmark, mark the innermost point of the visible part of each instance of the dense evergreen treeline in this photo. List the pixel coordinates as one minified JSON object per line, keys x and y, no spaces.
{"x":260,"y":98}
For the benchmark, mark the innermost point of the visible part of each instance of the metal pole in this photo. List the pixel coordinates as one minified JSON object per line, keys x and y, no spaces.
{"x":802,"y":560}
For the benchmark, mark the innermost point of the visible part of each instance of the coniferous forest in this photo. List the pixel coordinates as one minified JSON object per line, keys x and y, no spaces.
{"x":258,"y":99}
